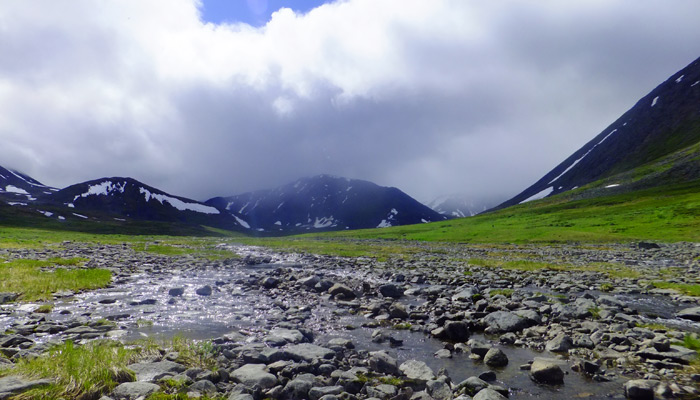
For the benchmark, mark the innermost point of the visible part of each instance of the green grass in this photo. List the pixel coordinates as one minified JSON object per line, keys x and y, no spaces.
{"x":77,"y":370}
{"x":32,"y":281}
{"x":504,"y":292}
{"x":687,"y":289}
{"x":181,"y":247}
{"x":654,"y":326}
{"x":668,"y":213}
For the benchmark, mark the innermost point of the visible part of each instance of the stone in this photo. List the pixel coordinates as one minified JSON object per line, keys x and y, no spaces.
{"x":316,"y":393}
{"x":382,"y":362}
{"x":496,"y":358}
{"x":546,"y":371}
{"x":466,"y":294}
{"x":439,"y":390}
{"x":478,"y":347}
{"x":6,"y":297}
{"x":391,"y":290}
{"x":175,"y":292}
{"x":298,"y":388}
{"x":488,"y":376}
{"x":560,"y":344}
{"x":134,"y":390}
{"x":398,"y":310}
{"x":692,"y":314}
{"x":457,"y":331}
{"x":489,"y":394}
{"x":417,"y":370}
{"x":204,"y":387}
{"x":309,"y":352}
{"x":341,"y":290}
{"x":310,"y":281}
{"x":443,"y":353}
{"x":382,"y":391}
{"x":472,"y":384}
{"x":283,"y":336}
{"x":252,"y":375}
{"x":204,"y":291}
{"x":154,"y":371}
{"x":677,"y":354}
{"x":504,"y":321}
{"x":640,"y":389}
{"x":241,"y":396}
{"x":13,"y":385}
{"x":269,"y":282}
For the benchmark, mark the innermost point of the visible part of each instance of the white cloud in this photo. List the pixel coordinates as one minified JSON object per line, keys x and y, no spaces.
{"x":423,"y":95}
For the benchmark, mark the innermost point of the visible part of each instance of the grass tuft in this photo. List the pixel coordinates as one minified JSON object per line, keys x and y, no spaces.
{"x":687,"y":289}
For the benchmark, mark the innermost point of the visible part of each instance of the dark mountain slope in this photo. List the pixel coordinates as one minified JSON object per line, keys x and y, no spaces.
{"x":326,"y":203}
{"x":18,"y":187}
{"x":662,"y":123}
{"x":132,"y":199}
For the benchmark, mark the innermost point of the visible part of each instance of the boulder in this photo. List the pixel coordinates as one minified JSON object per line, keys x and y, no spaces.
{"x":496,"y":358}
{"x":309,"y":352}
{"x":640,"y":389}
{"x":252,"y":375}
{"x":341,"y":290}
{"x":504,"y":321}
{"x":692,"y":314}
{"x":560,"y":344}
{"x":154,"y":371}
{"x":134,"y":390}
{"x":175,"y":292}
{"x":546,"y":371}
{"x":417,"y":370}
{"x":204,"y":291}
{"x":391,"y":290}
{"x":13,"y":385}
{"x":489,"y":394}
{"x":456,"y":330}
{"x":382,"y":362}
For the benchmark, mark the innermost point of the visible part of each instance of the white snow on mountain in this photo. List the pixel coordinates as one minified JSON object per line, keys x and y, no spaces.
{"x":177,"y":203}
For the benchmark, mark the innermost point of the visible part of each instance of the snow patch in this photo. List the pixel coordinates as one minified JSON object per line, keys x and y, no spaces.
{"x":241,"y":222}
{"x":653,"y":102}
{"x":680,"y":78}
{"x":323,"y":222}
{"x":584,"y":156}
{"x":540,"y":195}
{"x":70,"y":205}
{"x":177,"y":203}
{"x":61,"y":217}
{"x":16,"y":203}
{"x":612,"y":186}
{"x":15,"y":189}
{"x":46,"y":213}
{"x":278,"y":223}
{"x":384,"y":224}
{"x":424,"y":221}
{"x":80,"y":216}
{"x":120,"y":219}
{"x":102,"y":189}
{"x":694,"y":83}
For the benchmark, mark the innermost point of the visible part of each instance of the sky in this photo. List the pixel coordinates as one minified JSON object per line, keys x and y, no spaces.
{"x":216,"y":98}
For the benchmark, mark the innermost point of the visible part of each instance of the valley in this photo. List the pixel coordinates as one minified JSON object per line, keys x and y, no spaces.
{"x":400,"y":318}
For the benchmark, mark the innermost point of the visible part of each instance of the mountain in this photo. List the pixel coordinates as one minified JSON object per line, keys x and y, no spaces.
{"x":324,"y":203}
{"x":129,"y":198}
{"x":654,"y":143}
{"x":18,"y":188}
{"x":459,"y":206}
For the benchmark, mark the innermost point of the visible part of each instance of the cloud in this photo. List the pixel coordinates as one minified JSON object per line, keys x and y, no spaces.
{"x":432,"y":97}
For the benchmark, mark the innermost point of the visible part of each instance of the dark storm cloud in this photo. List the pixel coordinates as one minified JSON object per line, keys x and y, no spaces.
{"x":432,"y":97}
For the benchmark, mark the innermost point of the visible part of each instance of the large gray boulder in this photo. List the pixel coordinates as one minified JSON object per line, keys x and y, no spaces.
{"x":252,"y":375}
{"x":560,"y":344}
{"x":391,"y":290}
{"x":489,"y":394}
{"x":341,"y":290}
{"x":640,"y":389}
{"x":692,"y":314}
{"x":309,"y":352}
{"x":134,"y":390}
{"x":154,"y":371}
{"x":298,"y":388}
{"x":504,"y":321}
{"x":13,"y":385}
{"x":382,"y":362}
{"x":417,"y":370}
{"x":496,"y":358}
{"x":547,"y":371}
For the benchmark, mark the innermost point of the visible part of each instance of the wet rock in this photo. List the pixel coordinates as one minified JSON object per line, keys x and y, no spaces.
{"x":439,"y":390}
{"x":546,"y":371}
{"x":675,"y":354}
{"x":466,"y":294}
{"x":134,"y":390}
{"x":309,"y":352}
{"x":478,"y":347}
{"x":382,"y":391}
{"x":648,"y":246}
{"x":298,"y":388}
{"x":6,"y":297}
{"x":692,"y":314}
{"x":382,"y":362}
{"x":269,"y":282}
{"x":456,"y":330}
{"x":489,"y":394}
{"x":154,"y":371}
{"x":488,"y":376}
{"x":640,"y":389}
{"x":315,"y":393}
{"x":241,"y":396}
{"x":398,"y":310}
{"x":443,"y":353}
{"x":338,"y":344}
{"x":391,"y":290}
{"x":252,"y":375}
{"x":417,"y":370}
{"x":204,"y":291}
{"x":472,"y":385}
{"x":281,"y":336}
{"x":496,"y":358}
{"x":310,"y":281}
{"x":14,"y":385}
{"x":504,"y":321}
{"x":341,"y":290}
{"x":560,"y":344}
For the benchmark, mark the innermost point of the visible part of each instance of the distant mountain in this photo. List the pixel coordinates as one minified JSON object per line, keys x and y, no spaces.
{"x":655,"y":143}
{"x":323,"y":203}
{"x":18,"y":188}
{"x":129,"y":198}
{"x":459,"y":206}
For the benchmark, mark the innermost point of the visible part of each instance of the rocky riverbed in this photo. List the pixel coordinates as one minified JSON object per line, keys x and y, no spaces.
{"x":448,"y":322}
